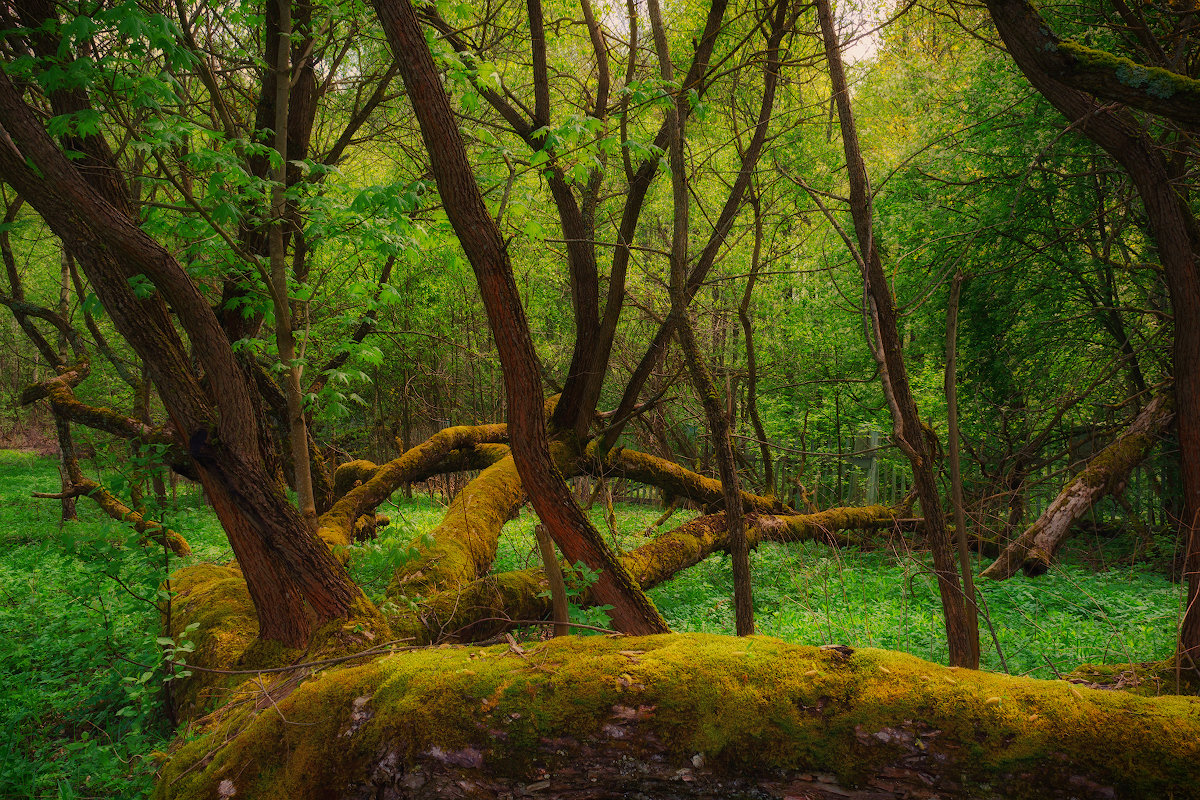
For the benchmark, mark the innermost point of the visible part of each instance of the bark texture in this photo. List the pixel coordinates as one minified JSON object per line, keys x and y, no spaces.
{"x":1033,"y":551}
{"x":907,"y":430}
{"x":480,"y":238}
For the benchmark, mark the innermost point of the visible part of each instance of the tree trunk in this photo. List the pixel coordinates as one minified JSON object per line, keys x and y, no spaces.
{"x":285,"y":565}
{"x":1173,"y":226}
{"x":575,"y":535}
{"x":702,"y":380}
{"x":950,"y":386}
{"x":908,"y":432}
{"x":1107,"y":472}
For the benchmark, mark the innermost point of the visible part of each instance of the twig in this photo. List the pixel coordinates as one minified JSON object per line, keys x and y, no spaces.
{"x":385,"y":648}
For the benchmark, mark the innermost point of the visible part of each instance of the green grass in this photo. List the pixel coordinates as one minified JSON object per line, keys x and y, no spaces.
{"x":815,"y":594}
{"x":81,"y":670}
{"x":80,"y":701}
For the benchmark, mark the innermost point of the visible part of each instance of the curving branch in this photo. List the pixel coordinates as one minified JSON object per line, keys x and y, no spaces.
{"x":113,"y":507}
{"x":1101,"y":74}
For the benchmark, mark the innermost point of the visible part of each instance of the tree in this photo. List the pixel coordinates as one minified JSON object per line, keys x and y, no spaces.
{"x":553,"y":124}
{"x":908,"y":431}
{"x":1075,"y":78}
{"x":89,"y":208}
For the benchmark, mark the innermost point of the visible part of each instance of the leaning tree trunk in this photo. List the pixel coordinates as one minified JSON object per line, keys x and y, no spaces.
{"x":480,"y":238}
{"x":1048,"y":64}
{"x":293,"y":577}
{"x":1105,"y":474}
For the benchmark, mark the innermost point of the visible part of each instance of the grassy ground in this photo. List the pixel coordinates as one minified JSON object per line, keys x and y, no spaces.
{"x":81,"y":666}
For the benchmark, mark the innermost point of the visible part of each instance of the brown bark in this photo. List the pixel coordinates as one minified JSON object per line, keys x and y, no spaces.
{"x":477,"y":232}
{"x":950,"y":386}
{"x":285,"y":340}
{"x":1106,"y":473}
{"x":780,"y":23}
{"x":283,"y":564}
{"x":718,"y":422}
{"x":1176,"y":233}
{"x":554,"y":576}
{"x":764,"y":447}
{"x":907,"y":429}
{"x":66,"y":460}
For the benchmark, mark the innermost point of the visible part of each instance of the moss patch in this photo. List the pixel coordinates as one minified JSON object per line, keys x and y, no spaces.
{"x":751,"y":706}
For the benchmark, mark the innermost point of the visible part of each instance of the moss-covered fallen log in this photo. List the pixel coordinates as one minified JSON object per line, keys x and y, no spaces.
{"x":215,"y":597}
{"x":682,"y":716}
{"x":361,"y":486}
{"x":500,"y":602}
{"x":152,"y":530}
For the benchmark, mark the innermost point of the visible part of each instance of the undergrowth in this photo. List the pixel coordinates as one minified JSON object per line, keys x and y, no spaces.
{"x":81,"y":704}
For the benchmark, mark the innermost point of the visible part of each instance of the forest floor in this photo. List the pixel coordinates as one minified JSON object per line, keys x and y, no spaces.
{"x":82,"y":664}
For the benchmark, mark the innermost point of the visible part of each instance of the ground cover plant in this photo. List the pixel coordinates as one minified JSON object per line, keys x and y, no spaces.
{"x":853,"y":307}
{"x":83,"y":707}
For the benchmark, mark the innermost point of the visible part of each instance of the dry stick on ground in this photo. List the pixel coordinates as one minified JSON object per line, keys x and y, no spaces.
{"x":1105,"y":474}
{"x":558,"y":590}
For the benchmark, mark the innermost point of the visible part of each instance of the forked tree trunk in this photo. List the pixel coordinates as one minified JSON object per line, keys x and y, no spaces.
{"x":702,"y":380}
{"x":477,"y":232}
{"x":1107,"y":472}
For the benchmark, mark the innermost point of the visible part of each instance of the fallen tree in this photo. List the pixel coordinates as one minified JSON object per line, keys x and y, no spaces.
{"x":679,"y":716}
{"x":1105,"y":474}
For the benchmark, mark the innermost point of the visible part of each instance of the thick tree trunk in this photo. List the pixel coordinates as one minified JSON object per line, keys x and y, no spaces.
{"x":1033,"y":551}
{"x":579,"y":540}
{"x":684,"y":716}
{"x":287,"y":567}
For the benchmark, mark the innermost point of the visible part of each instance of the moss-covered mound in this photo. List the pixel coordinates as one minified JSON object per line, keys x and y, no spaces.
{"x":684,"y":715}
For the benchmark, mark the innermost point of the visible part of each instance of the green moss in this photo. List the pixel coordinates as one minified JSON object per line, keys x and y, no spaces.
{"x":464,"y":544}
{"x":1155,"y":82}
{"x":351,"y":474}
{"x":742,"y":705}
{"x":1150,"y":679}
{"x":214,"y":599}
